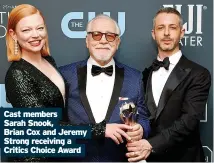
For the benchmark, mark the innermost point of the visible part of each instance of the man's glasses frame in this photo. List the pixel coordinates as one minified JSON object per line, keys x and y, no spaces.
{"x":97,"y":36}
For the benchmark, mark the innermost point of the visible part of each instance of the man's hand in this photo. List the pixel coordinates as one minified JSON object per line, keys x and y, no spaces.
{"x":136,"y":133}
{"x":116,"y":131}
{"x":138,"y":150}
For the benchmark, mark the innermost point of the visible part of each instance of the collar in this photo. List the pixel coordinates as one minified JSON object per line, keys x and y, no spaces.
{"x":174,"y":58}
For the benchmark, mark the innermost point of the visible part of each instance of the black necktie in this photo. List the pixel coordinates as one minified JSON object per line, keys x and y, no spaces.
{"x":96,"y":70}
{"x":157,"y":64}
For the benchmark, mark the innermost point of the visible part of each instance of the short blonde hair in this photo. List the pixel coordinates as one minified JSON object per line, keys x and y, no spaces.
{"x":15,"y":16}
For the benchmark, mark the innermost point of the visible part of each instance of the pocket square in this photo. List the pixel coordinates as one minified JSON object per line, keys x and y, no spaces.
{"x":123,"y":98}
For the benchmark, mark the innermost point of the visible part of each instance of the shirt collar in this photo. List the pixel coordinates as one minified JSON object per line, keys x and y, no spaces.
{"x":174,"y":58}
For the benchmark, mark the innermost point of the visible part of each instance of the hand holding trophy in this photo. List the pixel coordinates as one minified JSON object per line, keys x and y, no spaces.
{"x":129,"y":115}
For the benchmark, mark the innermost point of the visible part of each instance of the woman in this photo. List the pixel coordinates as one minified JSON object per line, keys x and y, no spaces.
{"x":32,"y":80}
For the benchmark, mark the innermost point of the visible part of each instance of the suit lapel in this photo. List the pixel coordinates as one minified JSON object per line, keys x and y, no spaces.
{"x":177,"y":75}
{"x":82,"y":79}
{"x":119,"y":77}
{"x":146,"y":75}
{"x":150,"y":99}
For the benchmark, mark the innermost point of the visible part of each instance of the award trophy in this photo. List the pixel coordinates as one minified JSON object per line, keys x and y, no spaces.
{"x":128,"y":113}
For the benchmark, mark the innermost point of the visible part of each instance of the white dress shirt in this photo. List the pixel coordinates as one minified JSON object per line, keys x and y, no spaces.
{"x":160,"y":76}
{"x":99,"y":90}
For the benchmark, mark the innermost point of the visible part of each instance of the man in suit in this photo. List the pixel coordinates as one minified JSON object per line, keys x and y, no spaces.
{"x":176,"y":94}
{"x":97,"y":87}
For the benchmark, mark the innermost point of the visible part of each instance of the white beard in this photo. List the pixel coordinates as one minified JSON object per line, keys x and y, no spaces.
{"x":101,"y":57}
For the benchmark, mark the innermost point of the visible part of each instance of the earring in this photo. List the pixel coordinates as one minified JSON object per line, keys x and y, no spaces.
{"x":16,"y":47}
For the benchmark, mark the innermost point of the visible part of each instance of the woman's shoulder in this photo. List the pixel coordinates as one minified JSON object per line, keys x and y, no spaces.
{"x":19,"y":69}
{"x":16,"y":67}
{"x":15,"y":71}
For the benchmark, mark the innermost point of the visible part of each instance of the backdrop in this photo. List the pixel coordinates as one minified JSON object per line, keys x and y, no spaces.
{"x":66,"y":21}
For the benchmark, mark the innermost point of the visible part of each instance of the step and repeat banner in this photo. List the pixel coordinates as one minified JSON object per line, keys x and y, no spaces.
{"x":66,"y":22}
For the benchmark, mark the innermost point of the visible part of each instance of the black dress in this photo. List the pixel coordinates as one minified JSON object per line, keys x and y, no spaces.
{"x":26,"y":86}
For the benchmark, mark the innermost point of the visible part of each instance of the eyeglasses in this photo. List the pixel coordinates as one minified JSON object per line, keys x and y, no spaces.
{"x":97,"y":36}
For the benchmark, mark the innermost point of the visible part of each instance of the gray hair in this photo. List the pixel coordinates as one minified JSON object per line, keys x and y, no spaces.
{"x":169,"y":10}
{"x":88,"y":27}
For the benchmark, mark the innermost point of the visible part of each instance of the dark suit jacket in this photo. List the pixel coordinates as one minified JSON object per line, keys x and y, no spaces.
{"x":128,"y":83}
{"x":175,"y":121}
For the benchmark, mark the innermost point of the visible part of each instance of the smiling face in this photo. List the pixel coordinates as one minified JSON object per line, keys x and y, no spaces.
{"x":30,"y":34}
{"x":102,"y":51}
{"x":167,"y":32}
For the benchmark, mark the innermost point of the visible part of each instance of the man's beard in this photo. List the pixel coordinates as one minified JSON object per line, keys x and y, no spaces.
{"x":103,"y":58}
